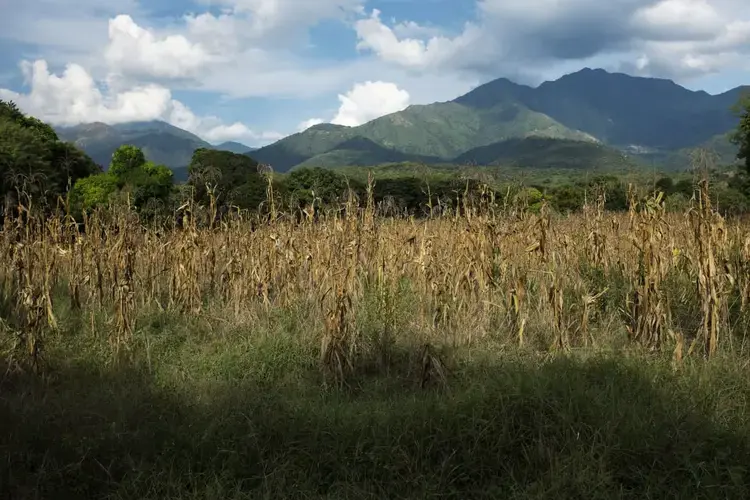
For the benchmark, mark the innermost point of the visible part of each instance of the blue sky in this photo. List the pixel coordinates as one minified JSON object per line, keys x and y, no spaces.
{"x":256,"y":70}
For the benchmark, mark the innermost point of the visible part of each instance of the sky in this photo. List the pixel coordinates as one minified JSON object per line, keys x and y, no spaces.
{"x":254,"y":71}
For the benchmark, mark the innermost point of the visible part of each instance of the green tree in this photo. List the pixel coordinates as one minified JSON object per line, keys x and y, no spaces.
{"x":741,"y":138}
{"x":325,"y":185}
{"x":126,"y":159}
{"x":24,"y":167}
{"x":234,"y":177}
{"x":665,"y":185}
{"x":151,"y":182}
{"x":10,"y":112}
{"x":92,"y":192}
{"x":34,"y":161}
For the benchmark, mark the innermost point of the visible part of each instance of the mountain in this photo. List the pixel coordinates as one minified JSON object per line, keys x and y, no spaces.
{"x":359,"y":152}
{"x":234,"y":147}
{"x":623,"y":110}
{"x":649,"y":117}
{"x":440,"y":131}
{"x":161,"y":142}
{"x":543,"y":152}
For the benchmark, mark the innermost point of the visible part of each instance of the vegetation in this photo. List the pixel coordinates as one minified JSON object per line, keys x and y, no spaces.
{"x":35,"y":166}
{"x":656,"y":120}
{"x":593,"y":114}
{"x":359,"y":355}
{"x":741,"y":137}
{"x":418,"y":332}
{"x":161,"y":143}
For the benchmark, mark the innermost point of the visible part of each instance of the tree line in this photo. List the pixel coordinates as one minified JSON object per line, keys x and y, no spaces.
{"x":38,"y":170}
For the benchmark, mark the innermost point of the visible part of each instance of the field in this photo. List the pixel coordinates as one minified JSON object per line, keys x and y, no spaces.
{"x":487,"y":352}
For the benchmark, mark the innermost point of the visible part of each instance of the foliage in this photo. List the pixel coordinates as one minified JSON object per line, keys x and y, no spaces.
{"x":126,"y":160}
{"x":34,"y":162}
{"x":234,"y":177}
{"x":659,"y":118}
{"x":9,"y":111}
{"x":316,"y":184}
{"x":93,"y":191}
{"x":361,"y":355}
{"x":146,"y":184}
{"x":741,"y":138}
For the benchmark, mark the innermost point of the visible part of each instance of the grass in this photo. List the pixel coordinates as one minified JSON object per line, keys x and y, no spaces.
{"x":230,"y":413}
{"x":486,"y":352}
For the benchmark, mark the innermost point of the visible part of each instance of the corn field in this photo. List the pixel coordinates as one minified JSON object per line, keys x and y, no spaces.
{"x":482,"y":273}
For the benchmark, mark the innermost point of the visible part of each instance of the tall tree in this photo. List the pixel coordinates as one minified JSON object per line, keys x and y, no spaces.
{"x":34,"y":161}
{"x":234,"y":177}
{"x":741,"y":138}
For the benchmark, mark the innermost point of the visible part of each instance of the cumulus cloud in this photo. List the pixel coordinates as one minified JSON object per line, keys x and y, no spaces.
{"x":669,"y":37}
{"x":369,"y":100}
{"x":374,"y":35}
{"x":74,"y":97}
{"x":137,"y":51}
{"x":364,"y":102}
{"x":283,"y":19}
{"x":309,"y":123}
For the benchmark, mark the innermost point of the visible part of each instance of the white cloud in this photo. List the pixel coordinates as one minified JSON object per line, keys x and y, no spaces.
{"x":365,"y":102}
{"x":676,"y":20}
{"x":410,"y":29}
{"x":309,"y":123}
{"x":137,"y":51}
{"x":374,"y":35}
{"x":369,"y":100}
{"x":74,"y":97}
{"x":686,"y":37}
{"x":284,"y":19}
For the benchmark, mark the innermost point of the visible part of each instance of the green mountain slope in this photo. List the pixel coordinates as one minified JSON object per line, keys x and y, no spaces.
{"x":681,"y":159}
{"x":448,"y":129}
{"x":541,"y":152}
{"x":293,"y":150}
{"x":234,"y":147}
{"x":654,"y":117}
{"x":439,"y":131}
{"x":619,"y":109}
{"x":359,"y":152}
{"x":161,"y":142}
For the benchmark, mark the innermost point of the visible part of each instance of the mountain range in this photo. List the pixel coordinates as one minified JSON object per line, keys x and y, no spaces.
{"x":161,"y":142}
{"x":590,"y":118}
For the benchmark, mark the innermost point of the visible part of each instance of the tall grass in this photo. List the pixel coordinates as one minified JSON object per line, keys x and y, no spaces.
{"x":481,"y":273}
{"x":166,"y":327}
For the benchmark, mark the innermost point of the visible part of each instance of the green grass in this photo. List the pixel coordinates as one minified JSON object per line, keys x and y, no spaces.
{"x":198,"y":408}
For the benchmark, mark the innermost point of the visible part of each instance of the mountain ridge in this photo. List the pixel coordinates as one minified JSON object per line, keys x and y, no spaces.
{"x":160,"y":141}
{"x":654,"y":119}
{"x":617,"y":110}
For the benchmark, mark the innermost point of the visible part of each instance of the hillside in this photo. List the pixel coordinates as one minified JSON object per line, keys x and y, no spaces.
{"x":234,"y":147}
{"x":652,"y":117}
{"x":161,"y":142}
{"x":359,"y":152}
{"x":438,"y":131}
{"x":546,"y":153}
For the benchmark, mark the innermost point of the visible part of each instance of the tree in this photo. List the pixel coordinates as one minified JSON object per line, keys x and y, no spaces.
{"x":151,"y":182}
{"x":741,"y":138}
{"x":235,"y":178}
{"x":24,"y":167}
{"x":125,"y":160}
{"x":9,"y":111}
{"x":34,"y":161}
{"x":307,"y":184}
{"x":93,"y":191}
